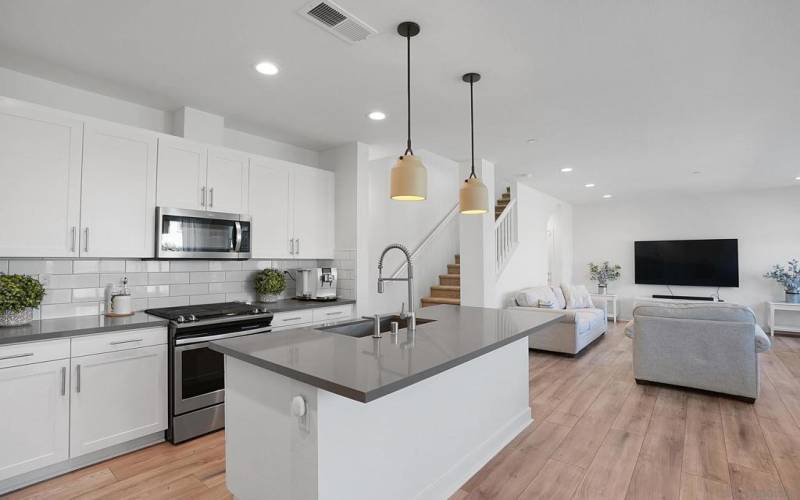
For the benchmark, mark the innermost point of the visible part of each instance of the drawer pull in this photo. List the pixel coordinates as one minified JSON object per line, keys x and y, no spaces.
{"x":14,"y":356}
{"x":333,"y":313}
{"x":118,"y":342}
{"x":298,"y":318}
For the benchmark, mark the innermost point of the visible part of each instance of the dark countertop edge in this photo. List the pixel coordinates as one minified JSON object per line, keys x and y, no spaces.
{"x":366,"y":397}
{"x":67,"y":333}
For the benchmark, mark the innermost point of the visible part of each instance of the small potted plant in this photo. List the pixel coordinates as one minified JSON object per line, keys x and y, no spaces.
{"x":603,"y":273}
{"x":789,"y":277}
{"x":269,"y":284}
{"x":19,"y":296}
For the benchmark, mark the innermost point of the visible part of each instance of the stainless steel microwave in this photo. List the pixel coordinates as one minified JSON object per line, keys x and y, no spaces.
{"x":198,"y":234}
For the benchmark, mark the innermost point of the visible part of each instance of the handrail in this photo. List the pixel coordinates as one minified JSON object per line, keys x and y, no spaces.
{"x":506,"y":236}
{"x":438,"y":228}
{"x":505,"y":212}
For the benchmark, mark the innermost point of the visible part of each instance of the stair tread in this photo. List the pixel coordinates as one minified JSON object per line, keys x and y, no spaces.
{"x":441,"y":300}
{"x":446,"y":287}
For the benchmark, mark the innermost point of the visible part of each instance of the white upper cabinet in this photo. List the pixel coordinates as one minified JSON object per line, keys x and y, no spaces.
{"x":226,"y":181}
{"x":119,"y":192}
{"x":34,"y":421}
{"x":313,"y":203}
{"x":270,"y":208}
{"x":40,"y":167}
{"x":181,"y":174}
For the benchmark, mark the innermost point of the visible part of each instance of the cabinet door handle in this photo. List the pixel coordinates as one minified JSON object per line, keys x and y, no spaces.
{"x":211,"y":198}
{"x":63,"y":380}
{"x":86,"y":239}
{"x":118,"y":342}
{"x":72,"y":245}
{"x":14,"y":356}
{"x":333,"y":313}
{"x":78,"y":378}
{"x":297,"y":246}
{"x":298,"y":318}
{"x":291,"y":246}
{"x":203,"y":196}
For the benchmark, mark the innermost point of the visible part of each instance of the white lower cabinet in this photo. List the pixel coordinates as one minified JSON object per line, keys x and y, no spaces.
{"x":117,"y":397}
{"x":34,"y":419}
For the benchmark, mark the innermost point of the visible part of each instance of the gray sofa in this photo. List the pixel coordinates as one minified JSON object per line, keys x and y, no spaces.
{"x":712,"y":347}
{"x":579,"y":327}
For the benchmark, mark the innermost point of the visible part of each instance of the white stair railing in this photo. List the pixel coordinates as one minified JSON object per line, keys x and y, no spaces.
{"x":432,"y":234}
{"x":506,"y":235}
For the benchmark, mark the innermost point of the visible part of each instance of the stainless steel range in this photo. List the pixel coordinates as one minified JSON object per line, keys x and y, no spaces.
{"x":196,"y":373}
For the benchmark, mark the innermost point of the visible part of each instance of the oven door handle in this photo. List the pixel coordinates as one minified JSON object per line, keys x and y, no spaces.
{"x":209,"y":338}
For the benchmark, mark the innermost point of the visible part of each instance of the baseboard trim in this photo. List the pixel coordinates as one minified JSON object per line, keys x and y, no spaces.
{"x":449,"y":482}
{"x":72,"y":464}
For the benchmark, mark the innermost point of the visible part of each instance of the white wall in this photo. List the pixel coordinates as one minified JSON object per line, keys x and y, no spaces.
{"x":528,"y":265}
{"x":409,"y":223}
{"x":765,"y":222}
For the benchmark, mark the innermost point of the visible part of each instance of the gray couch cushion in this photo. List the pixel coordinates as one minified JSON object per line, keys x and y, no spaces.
{"x":531,"y":297}
{"x":715,"y":311}
{"x":763,"y":343}
{"x":585,"y":319}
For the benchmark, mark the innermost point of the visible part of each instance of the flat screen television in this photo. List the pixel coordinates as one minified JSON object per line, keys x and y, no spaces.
{"x":687,"y":262}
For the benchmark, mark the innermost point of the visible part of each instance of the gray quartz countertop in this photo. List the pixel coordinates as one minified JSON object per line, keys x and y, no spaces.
{"x":365,"y":369}
{"x":297,"y":305}
{"x":74,"y":326}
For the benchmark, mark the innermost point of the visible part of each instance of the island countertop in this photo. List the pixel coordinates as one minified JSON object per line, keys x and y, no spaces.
{"x":365,"y":369}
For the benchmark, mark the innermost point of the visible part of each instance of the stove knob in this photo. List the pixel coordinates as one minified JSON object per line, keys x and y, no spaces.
{"x":192,"y":317}
{"x":264,"y":310}
{"x":180,"y":319}
{"x":255,"y":310}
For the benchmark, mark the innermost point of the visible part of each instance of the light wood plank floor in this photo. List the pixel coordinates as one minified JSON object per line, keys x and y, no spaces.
{"x":596,"y":435}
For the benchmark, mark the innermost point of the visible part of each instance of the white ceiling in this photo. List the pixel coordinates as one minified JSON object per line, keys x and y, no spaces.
{"x":634,"y":96}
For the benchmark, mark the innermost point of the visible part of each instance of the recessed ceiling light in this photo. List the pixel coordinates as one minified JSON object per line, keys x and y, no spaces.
{"x":606,"y":196}
{"x":797,"y":178}
{"x":377,"y":115}
{"x":267,"y":68}
{"x":590,"y":185}
{"x":697,"y":172}
{"x":566,"y":169}
{"x":530,"y":141}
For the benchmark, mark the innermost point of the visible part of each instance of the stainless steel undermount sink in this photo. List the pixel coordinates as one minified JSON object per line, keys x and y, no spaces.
{"x":364,"y":327}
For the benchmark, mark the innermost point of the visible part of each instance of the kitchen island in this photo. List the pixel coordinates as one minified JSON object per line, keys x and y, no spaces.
{"x":313,"y":413}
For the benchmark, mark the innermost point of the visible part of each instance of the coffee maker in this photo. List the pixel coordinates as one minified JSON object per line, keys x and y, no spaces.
{"x":318,"y":283}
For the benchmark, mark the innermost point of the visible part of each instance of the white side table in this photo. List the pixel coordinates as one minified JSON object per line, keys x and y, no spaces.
{"x":781,"y":306}
{"x":608,"y":298}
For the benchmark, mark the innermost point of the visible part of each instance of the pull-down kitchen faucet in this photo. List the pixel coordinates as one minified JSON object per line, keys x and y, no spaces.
{"x":412,"y":319}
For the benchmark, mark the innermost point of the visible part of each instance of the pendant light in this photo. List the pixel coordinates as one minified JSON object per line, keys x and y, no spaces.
{"x":473,"y":196}
{"x":409,"y":177}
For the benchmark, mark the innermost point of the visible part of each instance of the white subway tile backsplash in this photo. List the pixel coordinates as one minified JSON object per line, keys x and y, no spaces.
{"x":207,"y":299}
{"x":226,"y":287}
{"x":57,"y":296}
{"x":207,"y":277}
{"x":88,"y":294}
{"x":167,"y":301}
{"x":240,"y":275}
{"x":193,"y":289}
{"x":167,"y":278}
{"x":71,"y":280}
{"x":240,"y":297}
{"x":224,"y":265}
{"x":256,"y":265}
{"x":188,"y":265}
{"x":3,"y":267}
{"x":147,"y":266}
{"x":98,"y":266}
{"x":73,"y":309}
{"x":150,"y":291}
{"x":139,"y":304}
{"x":134,"y":279}
{"x":31,"y":266}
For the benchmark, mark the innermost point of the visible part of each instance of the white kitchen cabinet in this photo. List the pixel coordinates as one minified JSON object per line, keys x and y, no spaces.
{"x":181,"y":174}
{"x":34,"y":420}
{"x":292,"y":208}
{"x":226,"y":181}
{"x":40,"y":167}
{"x":118,"y":195}
{"x":116,"y":397}
{"x":270,"y":208}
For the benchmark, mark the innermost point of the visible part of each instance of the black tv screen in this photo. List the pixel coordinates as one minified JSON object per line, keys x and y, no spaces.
{"x":687,"y":262}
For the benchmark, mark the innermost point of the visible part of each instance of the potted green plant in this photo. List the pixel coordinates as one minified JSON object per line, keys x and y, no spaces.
{"x":19,"y":296}
{"x":789,"y":277}
{"x":269,"y":284}
{"x":603,"y":273}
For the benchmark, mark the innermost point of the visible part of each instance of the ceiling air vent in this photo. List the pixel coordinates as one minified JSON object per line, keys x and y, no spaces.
{"x":338,"y":21}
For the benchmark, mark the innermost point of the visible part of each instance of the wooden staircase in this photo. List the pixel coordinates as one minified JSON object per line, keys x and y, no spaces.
{"x":502,"y":203}
{"x":448,"y":291}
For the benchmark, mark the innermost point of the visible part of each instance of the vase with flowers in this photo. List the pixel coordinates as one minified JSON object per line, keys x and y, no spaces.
{"x":603,"y":273}
{"x":789,"y":277}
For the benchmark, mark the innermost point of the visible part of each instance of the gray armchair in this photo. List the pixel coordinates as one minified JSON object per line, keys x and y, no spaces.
{"x":712,"y":347}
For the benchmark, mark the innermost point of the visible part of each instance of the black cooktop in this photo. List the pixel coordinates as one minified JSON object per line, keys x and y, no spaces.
{"x":182,"y":314}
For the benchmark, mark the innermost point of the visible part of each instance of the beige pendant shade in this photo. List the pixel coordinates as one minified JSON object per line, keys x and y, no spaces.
{"x":473,"y":197}
{"x":409,"y":179}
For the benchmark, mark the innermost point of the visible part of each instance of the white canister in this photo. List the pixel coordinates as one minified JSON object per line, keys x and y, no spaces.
{"x":121,"y":304}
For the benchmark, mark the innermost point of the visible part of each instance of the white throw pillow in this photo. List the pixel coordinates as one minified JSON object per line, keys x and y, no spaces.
{"x":561,"y":301}
{"x":532,"y":297}
{"x":577,"y":297}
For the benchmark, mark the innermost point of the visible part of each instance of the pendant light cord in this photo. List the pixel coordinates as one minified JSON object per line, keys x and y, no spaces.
{"x":472,"y":127}
{"x":408,"y":93}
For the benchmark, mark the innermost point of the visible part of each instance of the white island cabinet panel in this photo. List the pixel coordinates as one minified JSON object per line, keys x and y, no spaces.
{"x":270,"y":208}
{"x":227,"y":181}
{"x":119,"y":192}
{"x":40,"y":167}
{"x":34,"y":420}
{"x":181,"y":174}
{"x":117,"y":397}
